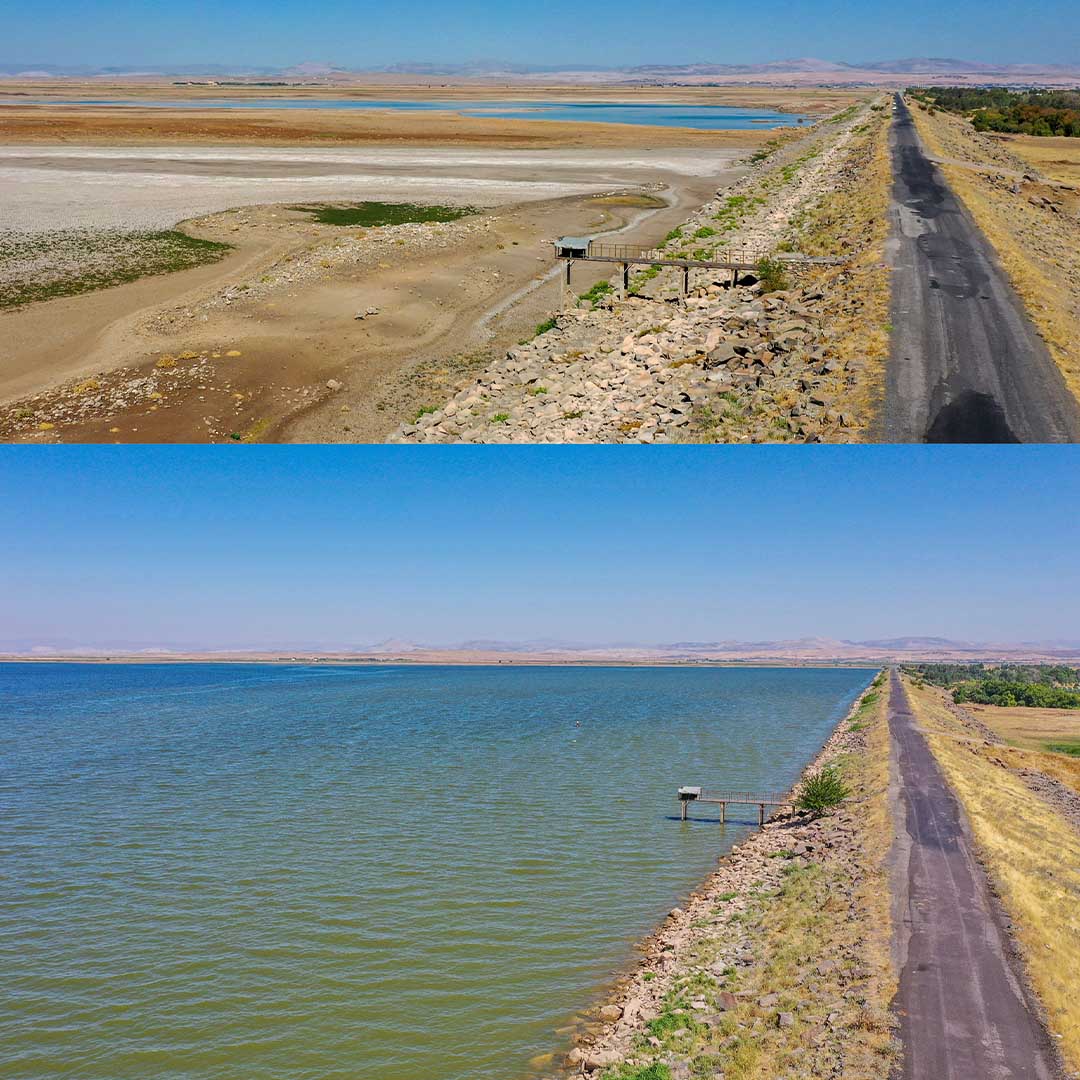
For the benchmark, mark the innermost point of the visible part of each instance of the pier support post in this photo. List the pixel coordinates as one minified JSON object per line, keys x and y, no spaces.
{"x":723,"y":813}
{"x":761,"y":815}
{"x":625,"y":280}
{"x":682,"y":808}
{"x":566,"y":285}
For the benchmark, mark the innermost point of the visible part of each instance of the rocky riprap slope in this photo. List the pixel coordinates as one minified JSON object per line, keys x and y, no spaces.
{"x":723,"y":981}
{"x":728,"y":362}
{"x":649,"y":374}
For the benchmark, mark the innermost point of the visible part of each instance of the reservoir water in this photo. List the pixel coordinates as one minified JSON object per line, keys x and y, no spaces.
{"x":308,"y":872}
{"x":708,"y":117}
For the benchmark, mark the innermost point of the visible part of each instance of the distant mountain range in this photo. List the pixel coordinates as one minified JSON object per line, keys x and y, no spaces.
{"x":797,"y":650}
{"x":802,"y":68}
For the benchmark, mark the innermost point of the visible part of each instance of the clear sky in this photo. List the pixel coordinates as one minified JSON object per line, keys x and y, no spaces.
{"x":359,"y":34}
{"x":337,"y":547}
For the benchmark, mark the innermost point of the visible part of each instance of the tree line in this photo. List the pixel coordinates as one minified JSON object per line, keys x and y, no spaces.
{"x":1037,"y":686}
{"x":1025,"y":112}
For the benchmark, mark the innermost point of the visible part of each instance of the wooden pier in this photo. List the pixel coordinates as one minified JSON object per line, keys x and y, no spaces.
{"x":582,"y":249}
{"x":761,"y":800}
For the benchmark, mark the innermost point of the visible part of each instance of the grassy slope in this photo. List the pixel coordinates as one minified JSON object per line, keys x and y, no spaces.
{"x":1033,"y":857}
{"x":853,"y":222}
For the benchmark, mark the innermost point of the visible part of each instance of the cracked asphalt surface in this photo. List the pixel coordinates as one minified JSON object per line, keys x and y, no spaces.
{"x":961,"y":1005}
{"x":967,"y":365}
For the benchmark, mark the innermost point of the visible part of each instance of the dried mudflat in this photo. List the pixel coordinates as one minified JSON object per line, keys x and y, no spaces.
{"x":266,"y":343}
{"x":55,"y":187}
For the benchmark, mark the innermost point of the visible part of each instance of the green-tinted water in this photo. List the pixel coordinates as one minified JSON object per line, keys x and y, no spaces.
{"x":311,"y":872}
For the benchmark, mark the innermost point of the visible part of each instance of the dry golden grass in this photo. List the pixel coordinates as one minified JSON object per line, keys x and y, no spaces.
{"x":1030,"y":731}
{"x":854,"y":222}
{"x":1030,"y":728}
{"x":1039,"y":251}
{"x":1058,"y":158}
{"x":1033,"y":855}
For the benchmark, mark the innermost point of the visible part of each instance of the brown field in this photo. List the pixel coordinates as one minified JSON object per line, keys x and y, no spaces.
{"x":1032,"y":854}
{"x":128,"y":126}
{"x":815,"y":100}
{"x":1030,"y":728}
{"x":1056,"y":158}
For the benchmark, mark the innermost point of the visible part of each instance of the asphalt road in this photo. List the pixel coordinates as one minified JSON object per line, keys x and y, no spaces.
{"x":966,"y":364}
{"x":962,"y":1010}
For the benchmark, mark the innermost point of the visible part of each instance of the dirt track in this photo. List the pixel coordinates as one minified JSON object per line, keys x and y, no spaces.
{"x":963,"y":1009}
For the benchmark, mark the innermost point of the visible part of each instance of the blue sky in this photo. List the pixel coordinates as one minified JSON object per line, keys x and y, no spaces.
{"x":125,"y":32}
{"x":263,"y":546}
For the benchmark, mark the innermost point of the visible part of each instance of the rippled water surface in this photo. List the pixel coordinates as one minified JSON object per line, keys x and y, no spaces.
{"x":403,"y":873}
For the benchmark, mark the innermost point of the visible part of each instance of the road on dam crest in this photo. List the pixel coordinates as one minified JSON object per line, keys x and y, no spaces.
{"x":966,"y":364}
{"x":962,"y":1009}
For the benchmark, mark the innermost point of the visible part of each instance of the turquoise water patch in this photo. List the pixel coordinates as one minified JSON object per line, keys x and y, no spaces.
{"x":703,"y":117}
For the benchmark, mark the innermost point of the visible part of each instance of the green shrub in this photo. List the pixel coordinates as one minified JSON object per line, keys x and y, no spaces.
{"x":655,"y":1071}
{"x":771,"y":274}
{"x":822,"y":791}
{"x":598,"y":291}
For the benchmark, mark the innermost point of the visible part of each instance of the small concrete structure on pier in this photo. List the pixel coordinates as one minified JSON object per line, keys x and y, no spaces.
{"x":688,"y":795}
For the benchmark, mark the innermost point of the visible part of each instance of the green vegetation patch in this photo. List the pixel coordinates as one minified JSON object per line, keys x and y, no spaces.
{"x":822,"y":791}
{"x":1025,"y":112}
{"x":656,"y":1071}
{"x":1036,"y":686}
{"x":67,"y":262}
{"x":597,"y":292}
{"x":772,"y":275}
{"x":372,"y":214}
{"x":1070,"y":748}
